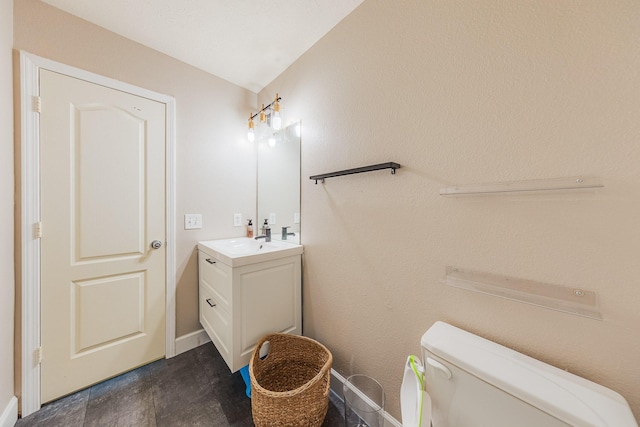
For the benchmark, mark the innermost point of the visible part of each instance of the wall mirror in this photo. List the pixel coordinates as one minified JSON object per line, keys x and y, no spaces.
{"x":279,"y":183}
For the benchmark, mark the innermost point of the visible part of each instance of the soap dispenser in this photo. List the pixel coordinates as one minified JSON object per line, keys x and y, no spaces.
{"x":250,"y":229}
{"x":265,"y":226}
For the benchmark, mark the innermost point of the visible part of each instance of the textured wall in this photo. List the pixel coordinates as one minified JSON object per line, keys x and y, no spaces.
{"x":6,"y":204}
{"x":463,"y":92}
{"x":210,"y":128}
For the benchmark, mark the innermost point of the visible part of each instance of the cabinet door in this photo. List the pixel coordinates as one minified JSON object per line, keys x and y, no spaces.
{"x":270,"y":301}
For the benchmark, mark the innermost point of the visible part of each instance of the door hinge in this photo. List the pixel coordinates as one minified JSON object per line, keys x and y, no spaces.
{"x":37,"y":356}
{"x":37,"y":230}
{"x":37,"y":104}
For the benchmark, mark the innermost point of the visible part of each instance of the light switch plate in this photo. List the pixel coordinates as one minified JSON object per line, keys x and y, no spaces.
{"x":272,"y":219}
{"x":237,"y":220}
{"x":192,"y":221}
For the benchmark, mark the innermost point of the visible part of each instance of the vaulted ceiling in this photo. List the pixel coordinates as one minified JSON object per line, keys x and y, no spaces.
{"x":247,"y":42}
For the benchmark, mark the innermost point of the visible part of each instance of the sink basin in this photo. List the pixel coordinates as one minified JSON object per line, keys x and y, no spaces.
{"x":243,"y":250}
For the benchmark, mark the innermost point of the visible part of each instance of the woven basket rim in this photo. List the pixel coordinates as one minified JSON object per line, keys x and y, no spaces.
{"x":322,"y":372}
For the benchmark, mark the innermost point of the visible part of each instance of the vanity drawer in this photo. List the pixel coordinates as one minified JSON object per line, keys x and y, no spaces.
{"x":215,"y":320}
{"x":218,"y":276}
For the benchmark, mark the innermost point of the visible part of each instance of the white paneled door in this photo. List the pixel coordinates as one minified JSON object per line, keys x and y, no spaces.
{"x":102,"y":163}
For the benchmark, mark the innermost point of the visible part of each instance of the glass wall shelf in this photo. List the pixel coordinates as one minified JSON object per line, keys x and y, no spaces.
{"x":555,"y":297}
{"x":566,"y":183}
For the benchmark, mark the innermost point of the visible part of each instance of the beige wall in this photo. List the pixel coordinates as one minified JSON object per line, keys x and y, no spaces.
{"x":6,"y":204}
{"x":211,"y":135}
{"x":463,"y":92}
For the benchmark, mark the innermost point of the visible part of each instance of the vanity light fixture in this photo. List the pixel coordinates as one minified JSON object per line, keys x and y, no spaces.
{"x":269,"y":114}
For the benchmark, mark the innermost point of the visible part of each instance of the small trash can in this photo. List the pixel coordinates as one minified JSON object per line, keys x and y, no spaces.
{"x":290,"y":386}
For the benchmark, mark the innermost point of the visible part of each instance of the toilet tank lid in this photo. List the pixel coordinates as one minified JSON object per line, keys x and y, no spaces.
{"x":566,"y":396}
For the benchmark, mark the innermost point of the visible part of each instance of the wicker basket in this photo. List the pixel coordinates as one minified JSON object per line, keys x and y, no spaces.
{"x":290,"y":387}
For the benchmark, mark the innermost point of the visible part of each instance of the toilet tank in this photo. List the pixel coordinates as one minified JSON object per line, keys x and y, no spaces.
{"x":474,"y":382}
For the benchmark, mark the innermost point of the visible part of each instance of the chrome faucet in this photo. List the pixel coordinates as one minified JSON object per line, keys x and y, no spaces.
{"x":285,"y":234}
{"x":267,"y":236}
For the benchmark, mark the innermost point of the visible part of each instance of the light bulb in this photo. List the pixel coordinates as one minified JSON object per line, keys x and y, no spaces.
{"x":251,"y":136}
{"x":276,"y":120}
{"x":272,"y":142}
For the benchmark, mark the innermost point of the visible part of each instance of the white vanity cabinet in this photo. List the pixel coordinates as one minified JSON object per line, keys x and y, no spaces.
{"x":240,"y":304}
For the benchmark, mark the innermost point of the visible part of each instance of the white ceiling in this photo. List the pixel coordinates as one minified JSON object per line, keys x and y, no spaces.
{"x":247,"y":42}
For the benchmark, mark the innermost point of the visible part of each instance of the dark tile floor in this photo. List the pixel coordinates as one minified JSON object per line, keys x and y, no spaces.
{"x":192,"y":389}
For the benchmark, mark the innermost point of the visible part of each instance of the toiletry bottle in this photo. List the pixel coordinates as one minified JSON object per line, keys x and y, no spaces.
{"x":264,"y":227}
{"x":250,"y":229}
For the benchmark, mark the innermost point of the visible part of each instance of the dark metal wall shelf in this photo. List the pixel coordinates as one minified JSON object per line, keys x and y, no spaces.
{"x":389,"y":165}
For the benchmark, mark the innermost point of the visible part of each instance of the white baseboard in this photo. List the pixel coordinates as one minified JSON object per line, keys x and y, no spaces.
{"x":338,"y":380}
{"x":190,"y":341}
{"x":10,"y":414}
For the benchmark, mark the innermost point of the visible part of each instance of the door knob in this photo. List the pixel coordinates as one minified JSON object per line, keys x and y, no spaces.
{"x":156,"y":244}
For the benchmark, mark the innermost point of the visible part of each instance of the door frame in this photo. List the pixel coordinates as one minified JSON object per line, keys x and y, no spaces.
{"x":30,"y":66}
